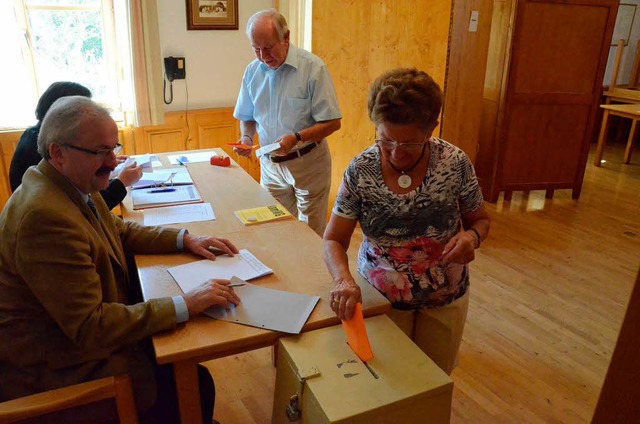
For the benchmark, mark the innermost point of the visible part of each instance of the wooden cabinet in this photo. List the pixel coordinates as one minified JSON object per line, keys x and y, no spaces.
{"x":546,"y":64}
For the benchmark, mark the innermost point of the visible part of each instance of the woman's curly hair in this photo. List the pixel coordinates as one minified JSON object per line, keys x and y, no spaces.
{"x":405,"y":96}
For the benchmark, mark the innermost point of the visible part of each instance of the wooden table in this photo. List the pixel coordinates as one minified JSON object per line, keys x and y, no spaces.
{"x":631,"y":111}
{"x":289,"y":247}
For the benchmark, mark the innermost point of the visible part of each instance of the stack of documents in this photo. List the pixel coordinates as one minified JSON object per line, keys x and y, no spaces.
{"x":155,"y":197}
{"x":169,"y":177}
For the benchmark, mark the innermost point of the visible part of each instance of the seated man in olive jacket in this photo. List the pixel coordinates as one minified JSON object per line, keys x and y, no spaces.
{"x":65,"y":313}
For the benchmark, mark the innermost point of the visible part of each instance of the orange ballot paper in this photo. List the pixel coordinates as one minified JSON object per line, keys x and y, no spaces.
{"x":357,"y":337}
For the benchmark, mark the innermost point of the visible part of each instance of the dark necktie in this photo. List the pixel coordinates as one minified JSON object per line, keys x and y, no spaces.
{"x":92,"y":206}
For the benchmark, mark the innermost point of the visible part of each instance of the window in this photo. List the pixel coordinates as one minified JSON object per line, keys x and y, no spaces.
{"x":85,"y":41}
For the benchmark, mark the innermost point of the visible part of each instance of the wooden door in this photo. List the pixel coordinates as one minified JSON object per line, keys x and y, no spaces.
{"x":558,"y":57}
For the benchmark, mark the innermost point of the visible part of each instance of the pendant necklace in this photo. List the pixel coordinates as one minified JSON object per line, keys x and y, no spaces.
{"x":404,"y":180}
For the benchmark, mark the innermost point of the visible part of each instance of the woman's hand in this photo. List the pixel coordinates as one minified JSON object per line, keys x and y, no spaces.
{"x":460,"y":249}
{"x":212,"y":292}
{"x":344,"y":297}
{"x":205,"y":246}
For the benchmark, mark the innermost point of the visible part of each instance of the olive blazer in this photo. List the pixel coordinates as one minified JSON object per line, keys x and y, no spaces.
{"x":65,"y":316}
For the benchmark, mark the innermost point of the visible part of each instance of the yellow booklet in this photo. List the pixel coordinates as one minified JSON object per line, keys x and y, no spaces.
{"x":262,"y":214}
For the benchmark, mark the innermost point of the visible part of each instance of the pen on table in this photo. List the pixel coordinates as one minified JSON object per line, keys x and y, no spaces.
{"x":162,"y":190}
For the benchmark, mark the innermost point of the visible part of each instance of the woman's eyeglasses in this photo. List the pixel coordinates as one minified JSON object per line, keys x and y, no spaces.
{"x":392,"y":145}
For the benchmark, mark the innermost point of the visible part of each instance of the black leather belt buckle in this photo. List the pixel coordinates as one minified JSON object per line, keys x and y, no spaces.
{"x":293,"y":155}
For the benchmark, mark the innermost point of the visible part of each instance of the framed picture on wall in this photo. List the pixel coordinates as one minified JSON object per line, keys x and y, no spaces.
{"x":624,"y":22}
{"x":212,"y":14}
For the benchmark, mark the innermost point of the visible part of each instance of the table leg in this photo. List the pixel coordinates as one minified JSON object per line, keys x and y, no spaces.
{"x":186,"y":375}
{"x":603,"y":132}
{"x":632,"y":136}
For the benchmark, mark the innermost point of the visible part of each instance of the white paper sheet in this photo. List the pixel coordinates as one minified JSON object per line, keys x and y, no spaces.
{"x":267,"y":149}
{"x":179,"y":214}
{"x":243,"y":265}
{"x":187,"y":158}
{"x":267,"y":308}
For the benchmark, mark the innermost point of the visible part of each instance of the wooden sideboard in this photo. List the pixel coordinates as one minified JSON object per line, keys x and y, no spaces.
{"x":188,"y":130}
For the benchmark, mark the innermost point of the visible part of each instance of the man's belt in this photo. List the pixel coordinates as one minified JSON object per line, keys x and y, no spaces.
{"x":295,"y":154}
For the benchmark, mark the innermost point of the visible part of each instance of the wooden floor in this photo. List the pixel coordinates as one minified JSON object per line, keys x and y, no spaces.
{"x":549,"y":291}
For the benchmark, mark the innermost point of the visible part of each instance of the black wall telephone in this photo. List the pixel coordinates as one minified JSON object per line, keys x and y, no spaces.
{"x":174,"y":68}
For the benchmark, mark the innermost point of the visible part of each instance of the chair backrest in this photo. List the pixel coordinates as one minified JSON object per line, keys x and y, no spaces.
{"x":119,"y":388}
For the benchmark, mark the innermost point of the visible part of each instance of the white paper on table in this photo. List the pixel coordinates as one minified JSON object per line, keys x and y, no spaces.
{"x":267,"y":308}
{"x":172,"y":176}
{"x":179,"y":214}
{"x":267,"y":149}
{"x":243,"y":265}
{"x":187,"y":158}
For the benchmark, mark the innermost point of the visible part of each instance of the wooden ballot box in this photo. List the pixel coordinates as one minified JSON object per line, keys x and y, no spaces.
{"x":320,"y":380}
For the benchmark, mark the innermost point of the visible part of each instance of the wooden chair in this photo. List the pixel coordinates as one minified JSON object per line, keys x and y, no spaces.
{"x":29,"y":407}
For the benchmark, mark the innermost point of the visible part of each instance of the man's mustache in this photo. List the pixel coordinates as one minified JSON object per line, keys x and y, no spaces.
{"x":104,"y":170}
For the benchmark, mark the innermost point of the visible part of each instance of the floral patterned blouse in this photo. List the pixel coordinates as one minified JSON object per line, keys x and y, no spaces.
{"x":405,"y":234}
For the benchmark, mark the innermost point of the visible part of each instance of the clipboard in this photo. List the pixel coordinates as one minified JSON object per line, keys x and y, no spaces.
{"x":357,"y":337}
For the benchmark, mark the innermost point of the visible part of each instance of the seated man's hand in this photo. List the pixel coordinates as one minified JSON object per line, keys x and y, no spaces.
{"x":130,"y":174}
{"x":205,"y":246}
{"x":213,"y":292}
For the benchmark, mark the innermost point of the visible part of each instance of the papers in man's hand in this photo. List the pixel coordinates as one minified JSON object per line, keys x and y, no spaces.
{"x":152,"y":198}
{"x":179,"y":214}
{"x":267,"y":149}
{"x":174,"y":176}
{"x":243,"y":265}
{"x":187,"y":158}
{"x":148,"y":161}
{"x":267,"y":308}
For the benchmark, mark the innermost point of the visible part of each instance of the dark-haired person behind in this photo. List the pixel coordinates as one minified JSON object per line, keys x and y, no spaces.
{"x":26,"y":153}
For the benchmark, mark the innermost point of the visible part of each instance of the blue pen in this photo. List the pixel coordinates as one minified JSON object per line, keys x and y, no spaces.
{"x":162,"y":190}
{"x":181,"y":160}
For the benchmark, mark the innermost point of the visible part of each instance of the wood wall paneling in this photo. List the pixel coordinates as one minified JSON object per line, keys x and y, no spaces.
{"x":497,"y":64}
{"x":360,"y":40}
{"x":465,"y":75}
{"x":8,"y":143}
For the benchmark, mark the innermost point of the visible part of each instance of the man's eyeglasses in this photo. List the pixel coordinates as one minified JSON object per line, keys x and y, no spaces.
{"x":102,"y":153}
{"x":391,"y":145}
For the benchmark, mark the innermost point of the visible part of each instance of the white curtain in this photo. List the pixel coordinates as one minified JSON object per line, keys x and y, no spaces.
{"x":146,"y":62}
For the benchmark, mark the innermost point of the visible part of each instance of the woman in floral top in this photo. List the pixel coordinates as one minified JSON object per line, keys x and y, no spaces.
{"x":420,"y":208}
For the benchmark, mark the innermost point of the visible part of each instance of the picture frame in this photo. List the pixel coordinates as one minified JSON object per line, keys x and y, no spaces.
{"x":212,"y":14}
{"x":624,"y":22}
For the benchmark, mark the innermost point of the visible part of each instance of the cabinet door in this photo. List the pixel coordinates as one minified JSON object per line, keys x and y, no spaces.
{"x":558,"y":56}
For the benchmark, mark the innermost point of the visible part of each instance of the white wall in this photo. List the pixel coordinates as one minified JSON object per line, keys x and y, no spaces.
{"x":629,"y":50}
{"x":214,"y":60}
